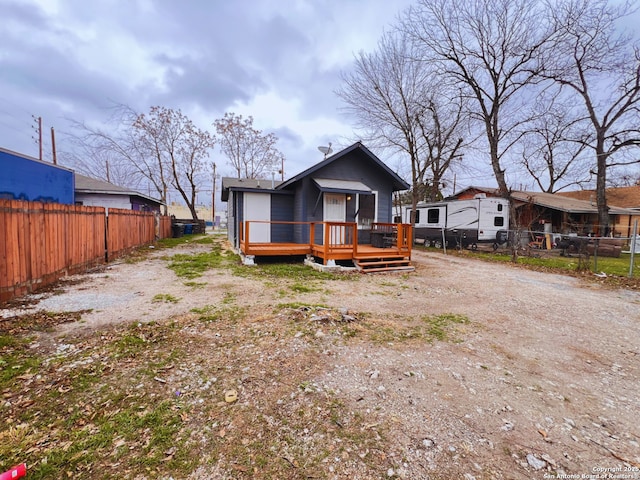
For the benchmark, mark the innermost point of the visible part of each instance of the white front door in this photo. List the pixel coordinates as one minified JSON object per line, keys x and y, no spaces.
{"x":335,"y":210}
{"x":335,"y":207}
{"x":257,"y":206}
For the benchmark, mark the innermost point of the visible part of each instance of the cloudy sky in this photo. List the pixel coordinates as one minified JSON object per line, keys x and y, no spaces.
{"x":278,"y":61}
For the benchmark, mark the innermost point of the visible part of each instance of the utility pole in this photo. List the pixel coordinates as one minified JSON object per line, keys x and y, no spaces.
{"x":38,"y":129}
{"x":53,"y":146}
{"x":213,"y":199}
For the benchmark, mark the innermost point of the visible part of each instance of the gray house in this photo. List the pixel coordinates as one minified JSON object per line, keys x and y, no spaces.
{"x":350,"y":191}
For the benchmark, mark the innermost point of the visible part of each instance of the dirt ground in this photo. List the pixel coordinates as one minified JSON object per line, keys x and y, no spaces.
{"x":542,"y":382}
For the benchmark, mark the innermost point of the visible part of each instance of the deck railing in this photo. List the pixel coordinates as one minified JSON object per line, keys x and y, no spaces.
{"x":401,"y":234}
{"x":253,"y":235}
{"x":330,"y":240}
{"x":337,"y":240}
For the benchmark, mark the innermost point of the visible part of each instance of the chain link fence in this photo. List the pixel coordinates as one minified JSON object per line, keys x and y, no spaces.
{"x":615,"y":255}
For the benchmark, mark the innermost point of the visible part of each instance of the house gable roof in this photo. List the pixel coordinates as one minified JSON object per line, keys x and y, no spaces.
{"x":90,"y":185}
{"x":398,"y":183}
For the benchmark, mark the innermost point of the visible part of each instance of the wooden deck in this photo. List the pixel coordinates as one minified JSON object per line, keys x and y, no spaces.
{"x":339,"y":241}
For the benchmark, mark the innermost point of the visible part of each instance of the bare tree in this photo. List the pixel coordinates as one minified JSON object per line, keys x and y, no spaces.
{"x":602,"y":66}
{"x":120,"y":143}
{"x":398,"y":104}
{"x":440,"y":128}
{"x":251,"y":153}
{"x":92,"y":160}
{"x":624,"y":178}
{"x":162,"y":148}
{"x":552,"y":148}
{"x":491,"y":49}
{"x":177,"y":145}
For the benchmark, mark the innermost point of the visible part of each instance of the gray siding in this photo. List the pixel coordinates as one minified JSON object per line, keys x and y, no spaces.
{"x":357,"y":166}
{"x":231,"y":219}
{"x":282,"y":210}
{"x":354,"y":166}
{"x":239,"y":202}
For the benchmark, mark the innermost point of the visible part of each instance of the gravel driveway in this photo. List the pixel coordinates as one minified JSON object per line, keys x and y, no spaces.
{"x":544,"y":379}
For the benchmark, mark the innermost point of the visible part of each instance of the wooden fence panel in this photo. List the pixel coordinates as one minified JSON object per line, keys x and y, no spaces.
{"x":42,"y":242}
{"x":165,"y":227}
{"x":128,"y":229}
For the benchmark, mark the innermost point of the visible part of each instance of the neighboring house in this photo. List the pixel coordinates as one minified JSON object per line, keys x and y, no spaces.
{"x":352,"y":187}
{"x":98,"y":193}
{"x":27,"y":178}
{"x":625,"y":197}
{"x":564,"y":214}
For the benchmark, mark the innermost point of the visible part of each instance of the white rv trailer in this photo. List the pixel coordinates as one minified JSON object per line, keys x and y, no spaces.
{"x":464,"y":222}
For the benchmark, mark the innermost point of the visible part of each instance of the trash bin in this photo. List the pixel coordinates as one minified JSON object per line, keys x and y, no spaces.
{"x":177,"y":230}
{"x":188,"y":228}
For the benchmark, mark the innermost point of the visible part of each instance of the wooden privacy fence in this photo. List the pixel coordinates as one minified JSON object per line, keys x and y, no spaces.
{"x":127,"y":229}
{"x":42,"y":242}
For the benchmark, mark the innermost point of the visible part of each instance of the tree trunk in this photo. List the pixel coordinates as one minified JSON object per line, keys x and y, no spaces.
{"x":601,"y":193}
{"x":192,"y":209}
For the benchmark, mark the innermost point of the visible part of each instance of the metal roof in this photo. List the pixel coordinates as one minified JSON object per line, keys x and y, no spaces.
{"x":86,"y":184}
{"x":341,"y":186}
{"x":246,"y":184}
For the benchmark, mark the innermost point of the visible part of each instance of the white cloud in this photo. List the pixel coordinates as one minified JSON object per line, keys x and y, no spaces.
{"x":276,"y":61}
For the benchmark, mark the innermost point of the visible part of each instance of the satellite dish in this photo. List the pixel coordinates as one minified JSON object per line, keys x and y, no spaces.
{"x":325,"y":150}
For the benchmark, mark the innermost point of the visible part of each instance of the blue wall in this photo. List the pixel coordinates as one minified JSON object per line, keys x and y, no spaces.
{"x":22,"y":178}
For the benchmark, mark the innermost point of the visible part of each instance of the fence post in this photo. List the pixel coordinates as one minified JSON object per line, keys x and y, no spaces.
{"x":633,"y":247}
{"x":444,"y":243}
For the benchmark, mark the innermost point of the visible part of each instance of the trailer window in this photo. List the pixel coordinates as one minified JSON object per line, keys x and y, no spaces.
{"x":498,"y":221}
{"x":499,"y":208}
{"x":433,"y":215}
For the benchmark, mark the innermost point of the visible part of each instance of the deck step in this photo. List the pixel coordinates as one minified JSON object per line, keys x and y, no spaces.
{"x":384,"y":262}
{"x":407,"y":268}
{"x":391,"y":263}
